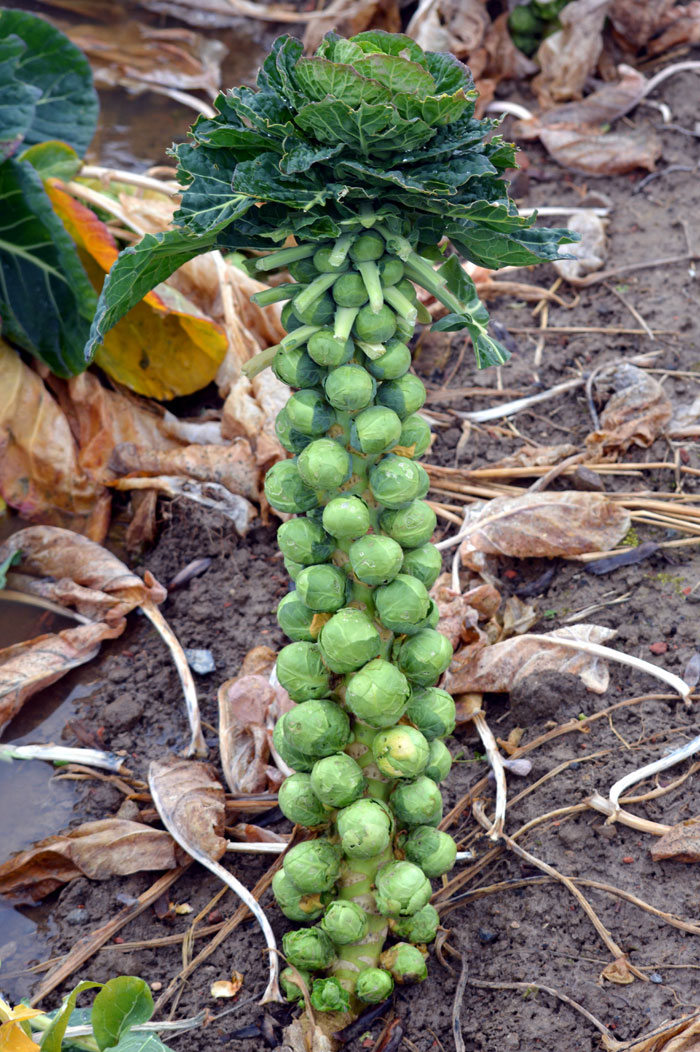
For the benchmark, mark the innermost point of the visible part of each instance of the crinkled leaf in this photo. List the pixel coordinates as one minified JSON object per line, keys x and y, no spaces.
{"x":299,"y":156}
{"x":493,"y":249}
{"x":377,"y":40}
{"x":450,"y":75}
{"x":333,"y":121}
{"x":261,"y":179}
{"x":265,"y":112}
{"x":122,"y":1003}
{"x":40,"y":268}
{"x":209,"y":201}
{"x":319,"y":78}
{"x":17,"y":98}
{"x":60,"y":71}
{"x":397,"y":74}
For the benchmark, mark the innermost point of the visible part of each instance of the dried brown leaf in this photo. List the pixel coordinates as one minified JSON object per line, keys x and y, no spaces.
{"x":610,"y":154}
{"x":497,"y":668}
{"x":84,"y":575}
{"x":458,"y":620}
{"x":26,"y":668}
{"x":546,"y":525}
{"x":683,"y":29}
{"x":499,"y":59}
{"x":674,"y":1035}
{"x":590,"y":252}
{"x":680,"y":844}
{"x":569,"y":56}
{"x":614,"y":99}
{"x":636,"y":21}
{"x":98,"y":850}
{"x":192,"y":802}
{"x":635,"y":414}
{"x":232,"y":466}
{"x":537,"y":456}
{"x":245,"y":704}
{"x":485,"y":599}
{"x":518,"y":616}
{"x":618,"y":972}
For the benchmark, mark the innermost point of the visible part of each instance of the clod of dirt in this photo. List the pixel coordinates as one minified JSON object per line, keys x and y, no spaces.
{"x":541,"y":696}
{"x":122,"y":713}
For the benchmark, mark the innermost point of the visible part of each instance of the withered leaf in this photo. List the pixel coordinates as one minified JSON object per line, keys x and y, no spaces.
{"x":26,"y":668}
{"x":637,"y":20}
{"x":680,"y":844}
{"x":98,"y":850}
{"x":537,"y":456}
{"x":589,"y":253}
{"x":232,"y":466}
{"x":245,"y":705}
{"x":569,"y":56}
{"x":612,"y":153}
{"x":618,"y":972}
{"x":497,"y":668}
{"x":191,"y":802}
{"x":458,"y":620}
{"x":546,"y":525}
{"x":673,"y":1035}
{"x":635,"y":414}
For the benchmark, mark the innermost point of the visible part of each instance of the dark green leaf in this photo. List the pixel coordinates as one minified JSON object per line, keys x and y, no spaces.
{"x":428,"y":179}
{"x":17,"y":99}
{"x":261,"y":179}
{"x":122,"y":1003}
{"x":299,"y":156}
{"x":449,"y":73}
{"x":286,"y":58}
{"x":493,"y":249}
{"x":53,"y":160}
{"x":5,"y":565}
{"x":68,"y":104}
{"x":333,"y":121}
{"x":52,"y":1038}
{"x":209,"y":201}
{"x":46,"y":299}
{"x":265,"y":112}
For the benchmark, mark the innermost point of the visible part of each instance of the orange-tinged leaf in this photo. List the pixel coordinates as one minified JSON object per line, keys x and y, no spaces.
{"x":86,"y":229}
{"x":14,"y":1039}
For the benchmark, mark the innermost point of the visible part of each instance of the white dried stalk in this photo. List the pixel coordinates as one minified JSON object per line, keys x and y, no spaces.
{"x":625,"y":818}
{"x":662,"y":764}
{"x":496,"y":761}
{"x":63,"y":754}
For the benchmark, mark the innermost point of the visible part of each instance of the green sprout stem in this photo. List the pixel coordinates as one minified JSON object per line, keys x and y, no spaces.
{"x":370,"y":275}
{"x":283,"y":257}
{"x":340,"y":250}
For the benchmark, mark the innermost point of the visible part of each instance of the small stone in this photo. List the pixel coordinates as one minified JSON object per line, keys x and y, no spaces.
{"x":511,"y":1042}
{"x":156,"y":986}
{"x":655,"y":978}
{"x":77,"y":916}
{"x":487,"y":937}
{"x":122,"y":713}
{"x":658,"y":648}
{"x":200,"y":661}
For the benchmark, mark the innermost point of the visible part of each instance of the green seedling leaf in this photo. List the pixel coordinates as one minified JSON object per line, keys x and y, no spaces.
{"x":52,"y":1039}
{"x":141,"y":1042}
{"x":122,"y":1003}
{"x":39,"y":266}
{"x":53,"y":160}
{"x":5,"y":565}
{"x":58,"y":74}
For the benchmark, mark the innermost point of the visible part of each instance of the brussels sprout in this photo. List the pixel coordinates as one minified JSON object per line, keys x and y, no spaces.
{"x":402,"y":888}
{"x":348,"y":641}
{"x":417,"y":803}
{"x":390,"y":270}
{"x":313,"y":865}
{"x":308,"y":412}
{"x":431,"y":849}
{"x":323,"y":263}
{"x":292,"y":440}
{"x":395,"y":361}
{"x":324,"y":464}
{"x":439,"y":761}
{"x":421,"y":927}
{"x":346,"y":517}
{"x":364,"y":828}
{"x":396,"y":481}
{"x":327,"y":995}
{"x":301,"y":672}
{"x":289,"y":320}
{"x":295,"y":619}
{"x":349,"y":290}
{"x":322,"y":587}
{"x":407,"y":289}
{"x":405,"y":962}
{"x":402,"y":603}
{"x":337,"y":780}
{"x":400,"y":752}
{"x":293,"y":568}
{"x":304,"y":541}
{"x":298,"y":802}
{"x":297,"y":369}
{"x":349,"y":388}
{"x":285,"y":490}
{"x":375,"y":430}
{"x":344,"y":922}
{"x":366,"y":247}
{"x":404,"y":395}
{"x":430,"y":620}
{"x":424,"y":657}
{"x":292,"y":756}
{"x":295,"y":905}
{"x":318,"y":312}
{"x":308,"y":948}
{"x":326,"y":349}
{"x":411,"y":526}
{"x":404,"y":329}
{"x":373,"y":985}
{"x":415,"y":435}
{"x":316,"y":728}
{"x":375,"y":559}
{"x":433,"y":712}
{"x":375,"y":327}
{"x":425,"y":563}
{"x":377,"y":694}
{"x":288,"y":982}
{"x":302,"y":270}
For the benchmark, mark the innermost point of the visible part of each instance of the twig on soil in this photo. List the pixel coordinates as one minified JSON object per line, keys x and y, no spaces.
{"x":197,"y":746}
{"x":457,"y":1006}
{"x":9,"y":595}
{"x":602,"y":330}
{"x":495,"y":830}
{"x":88,"y":945}
{"x":662,"y":764}
{"x":633,"y":310}
{"x":510,"y":408}
{"x":483,"y":984}
{"x":616,"y":814}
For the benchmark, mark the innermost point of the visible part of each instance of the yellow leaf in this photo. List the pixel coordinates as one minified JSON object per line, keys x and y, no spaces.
{"x":14,"y":1039}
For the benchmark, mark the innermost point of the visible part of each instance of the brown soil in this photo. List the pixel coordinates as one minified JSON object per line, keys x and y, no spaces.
{"x":531,"y":934}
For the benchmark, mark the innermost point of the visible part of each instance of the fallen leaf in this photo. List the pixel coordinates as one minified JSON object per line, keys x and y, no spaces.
{"x":590,"y":252}
{"x":635,"y":21}
{"x":546,"y":525}
{"x":28,"y":667}
{"x":518,"y":616}
{"x":568,"y":57}
{"x":680,"y":844}
{"x":40,"y":472}
{"x":227,"y":987}
{"x":98,"y":850}
{"x":231,"y":466}
{"x":673,"y":1035}
{"x":684,"y":28}
{"x":618,"y":972}
{"x":209,"y":494}
{"x":192,"y":802}
{"x":250,"y":411}
{"x":245,"y":707}
{"x":499,"y":667}
{"x":485,"y":599}
{"x":603,"y":106}
{"x":613,"y":153}
{"x":635,"y":414}
{"x":458,"y":620}
{"x":537,"y":456}
{"x":259,"y":661}
{"x":458,"y":26}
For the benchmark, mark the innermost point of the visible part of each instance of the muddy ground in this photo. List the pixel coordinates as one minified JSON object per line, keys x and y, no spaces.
{"x":535,"y":933}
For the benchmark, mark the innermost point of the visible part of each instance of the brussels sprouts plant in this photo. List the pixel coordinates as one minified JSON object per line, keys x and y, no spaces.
{"x":360,"y":173}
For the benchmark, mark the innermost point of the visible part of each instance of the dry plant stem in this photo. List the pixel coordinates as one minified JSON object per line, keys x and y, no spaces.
{"x":495,"y":759}
{"x":9,"y":595}
{"x":197,"y":746}
{"x":106,"y":204}
{"x":483,"y":984}
{"x":272,"y":991}
{"x":603,"y":932}
{"x":510,"y":408}
{"x":457,"y":1006}
{"x":88,"y":945}
{"x":670,"y":760}
{"x":145,"y":182}
{"x":625,"y":818}
{"x":262,"y":848}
